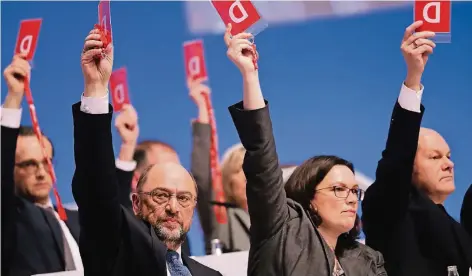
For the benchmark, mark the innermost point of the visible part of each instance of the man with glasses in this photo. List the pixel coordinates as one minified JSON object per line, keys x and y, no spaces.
{"x":34,"y":239}
{"x":115,"y":241}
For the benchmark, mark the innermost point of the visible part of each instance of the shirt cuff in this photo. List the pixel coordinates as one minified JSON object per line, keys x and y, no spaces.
{"x":410,"y":99}
{"x":10,"y":117}
{"x":126,"y":166}
{"x":92,"y":105}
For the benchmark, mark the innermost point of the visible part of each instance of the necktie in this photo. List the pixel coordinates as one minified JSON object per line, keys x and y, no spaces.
{"x":68,"y":259}
{"x":176,"y":267}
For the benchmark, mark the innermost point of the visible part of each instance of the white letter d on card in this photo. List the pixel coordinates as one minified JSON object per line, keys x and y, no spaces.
{"x":233,"y":17}
{"x":437,"y":17}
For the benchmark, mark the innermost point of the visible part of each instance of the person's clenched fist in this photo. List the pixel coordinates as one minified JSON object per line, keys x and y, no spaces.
{"x":416,"y":48}
{"x":97,"y":64}
{"x":15,"y":74}
{"x":127,"y":124}
{"x":240,"y":50}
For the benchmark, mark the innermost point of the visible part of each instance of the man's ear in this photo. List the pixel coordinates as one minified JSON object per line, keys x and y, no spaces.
{"x":134,"y":182}
{"x":136,"y":203}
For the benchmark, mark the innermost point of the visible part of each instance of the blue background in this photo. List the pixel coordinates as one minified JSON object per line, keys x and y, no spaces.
{"x":331,"y":83}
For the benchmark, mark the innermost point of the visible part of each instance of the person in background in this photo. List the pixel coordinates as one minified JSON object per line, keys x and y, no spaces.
{"x":115,"y":240}
{"x":287,"y":171}
{"x":235,"y":234}
{"x":299,"y":230}
{"x":403,"y":211}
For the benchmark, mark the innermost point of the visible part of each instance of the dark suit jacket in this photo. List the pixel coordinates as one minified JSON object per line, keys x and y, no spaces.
{"x":416,"y":236}
{"x":284,"y":240}
{"x":113,"y":241}
{"x":31,"y":237}
{"x":466,"y":211}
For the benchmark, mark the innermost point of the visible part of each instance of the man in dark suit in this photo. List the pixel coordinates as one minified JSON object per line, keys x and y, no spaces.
{"x":34,"y":239}
{"x":114,"y":241}
{"x":403,"y":212}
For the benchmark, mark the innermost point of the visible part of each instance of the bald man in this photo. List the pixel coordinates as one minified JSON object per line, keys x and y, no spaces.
{"x":113,"y":240}
{"x":403,"y":212}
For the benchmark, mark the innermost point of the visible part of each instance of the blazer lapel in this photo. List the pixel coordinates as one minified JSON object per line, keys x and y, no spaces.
{"x":192,"y":265}
{"x":55,"y":229}
{"x":350,"y":263}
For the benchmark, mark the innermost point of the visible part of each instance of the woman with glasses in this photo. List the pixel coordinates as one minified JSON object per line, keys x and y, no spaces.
{"x":308,"y":228}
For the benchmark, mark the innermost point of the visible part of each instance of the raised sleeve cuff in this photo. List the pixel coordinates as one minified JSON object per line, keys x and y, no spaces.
{"x":126,"y":166}
{"x":92,"y":105}
{"x":410,"y":99}
{"x":10,"y":117}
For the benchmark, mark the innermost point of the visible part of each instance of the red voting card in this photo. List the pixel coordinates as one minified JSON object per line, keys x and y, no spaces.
{"x":119,"y":89}
{"x":104,"y":20}
{"x":28,"y":37}
{"x":242,"y":15}
{"x":436,"y":17}
{"x":194,"y":60}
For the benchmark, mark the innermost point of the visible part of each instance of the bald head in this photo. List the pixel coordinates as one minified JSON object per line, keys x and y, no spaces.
{"x":429,"y":138}
{"x":433,"y":169}
{"x":167,"y":175}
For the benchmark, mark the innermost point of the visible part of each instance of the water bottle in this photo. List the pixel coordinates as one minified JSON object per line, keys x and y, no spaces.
{"x":216,"y":247}
{"x":452,"y":271}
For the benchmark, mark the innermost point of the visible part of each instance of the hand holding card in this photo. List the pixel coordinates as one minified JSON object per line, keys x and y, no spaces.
{"x":119,"y":89}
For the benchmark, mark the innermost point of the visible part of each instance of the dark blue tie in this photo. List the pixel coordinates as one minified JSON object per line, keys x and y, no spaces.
{"x":176,"y":267}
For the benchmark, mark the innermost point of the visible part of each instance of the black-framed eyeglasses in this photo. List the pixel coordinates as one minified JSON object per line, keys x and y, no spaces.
{"x":343,"y":192}
{"x":185,"y":199}
{"x":32,"y":166}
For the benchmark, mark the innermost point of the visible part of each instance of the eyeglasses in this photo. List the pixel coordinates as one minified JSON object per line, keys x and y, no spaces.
{"x":343,"y":192}
{"x":163,"y":197}
{"x":32,"y":166}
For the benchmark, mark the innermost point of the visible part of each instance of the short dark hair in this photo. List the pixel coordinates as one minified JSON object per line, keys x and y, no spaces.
{"x":26,"y":131}
{"x":147,"y":144}
{"x":301,"y":187}
{"x":140,"y":154}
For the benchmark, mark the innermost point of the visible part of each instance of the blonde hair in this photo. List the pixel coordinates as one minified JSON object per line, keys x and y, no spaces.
{"x":231,"y":162}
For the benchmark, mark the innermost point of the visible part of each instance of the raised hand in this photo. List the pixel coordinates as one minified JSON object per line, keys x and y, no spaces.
{"x":416,"y":48}
{"x":97,"y":64}
{"x":15,"y":75}
{"x":197,"y":92}
{"x":240,"y":50}
{"x":127,"y":125}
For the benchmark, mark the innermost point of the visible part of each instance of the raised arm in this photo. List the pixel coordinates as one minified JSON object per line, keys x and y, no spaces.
{"x":387,"y":198}
{"x":125,"y":165}
{"x":265,"y":190}
{"x":95,"y":186}
{"x":10,"y":123}
{"x":200,"y":167}
{"x":466,"y":211}
{"x":14,"y":74}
